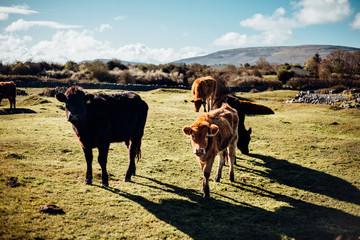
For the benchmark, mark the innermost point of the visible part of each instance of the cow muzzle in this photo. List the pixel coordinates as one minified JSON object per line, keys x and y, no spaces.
{"x":73,"y":118}
{"x":199,"y":151}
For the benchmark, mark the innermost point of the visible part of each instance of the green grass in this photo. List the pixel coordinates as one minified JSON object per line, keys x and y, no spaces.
{"x":301,"y":180}
{"x":279,"y":96}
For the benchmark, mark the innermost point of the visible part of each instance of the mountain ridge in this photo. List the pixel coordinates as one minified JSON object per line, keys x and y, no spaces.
{"x":277,"y":54}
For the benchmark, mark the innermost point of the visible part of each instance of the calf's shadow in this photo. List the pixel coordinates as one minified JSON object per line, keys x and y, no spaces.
{"x":216,"y":219}
{"x":304,"y":178}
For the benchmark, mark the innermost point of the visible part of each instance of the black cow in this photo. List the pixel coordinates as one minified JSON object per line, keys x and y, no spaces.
{"x":242,"y":108}
{"x":100,"y":119}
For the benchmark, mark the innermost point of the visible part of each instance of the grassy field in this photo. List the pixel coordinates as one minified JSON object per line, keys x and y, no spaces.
{"x":301,"y":180}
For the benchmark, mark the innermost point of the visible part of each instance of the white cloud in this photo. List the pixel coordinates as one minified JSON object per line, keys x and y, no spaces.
{"x":14,"y":48}
{"x":322,"y":11}
{"x":140,"y":53}
{"x":356,"y":23}
{"x":25,"y":25}
{"x":74,"y":45}
{"x":232,"y":39}
{"x":118,"y":18}
{"x":103,"y":27}
{"x":277,"y":29}
{"x":23,"y":9}
{"x":82,"y":45}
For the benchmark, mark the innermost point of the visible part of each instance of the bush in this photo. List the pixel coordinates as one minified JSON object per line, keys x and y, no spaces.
{"x":284,"y":75}
{"x":116,"y":64}
{"x":20,"y":69}
{"x":315,"y":83}
{"x":256,"y":73}
{"x":70,"y":65}
{"x":250,"y":82}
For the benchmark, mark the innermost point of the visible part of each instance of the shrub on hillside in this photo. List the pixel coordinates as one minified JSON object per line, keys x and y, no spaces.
{"x":254,"y":82}
{"x":284,"y":75}
{"x":20,"y":69}
{"x":116,"y":64}
{"x":316,"y":83}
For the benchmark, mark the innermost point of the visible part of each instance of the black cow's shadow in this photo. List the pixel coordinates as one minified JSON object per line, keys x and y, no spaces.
{"x":216,"y":219}
{"x":304,"y":178}
{"x":7,"y":111}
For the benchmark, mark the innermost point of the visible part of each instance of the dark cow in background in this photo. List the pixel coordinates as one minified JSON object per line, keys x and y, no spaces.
{"x":8,"y":90}
{"x":214,"y":133}
{"x":100,"y":119}
{"x":242,"y":108}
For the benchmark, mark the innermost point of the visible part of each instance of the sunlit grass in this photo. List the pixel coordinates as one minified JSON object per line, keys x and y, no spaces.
{"x":301,"y":180}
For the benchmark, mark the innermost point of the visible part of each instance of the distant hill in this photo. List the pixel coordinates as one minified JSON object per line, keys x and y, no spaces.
{"x":291,"y":55}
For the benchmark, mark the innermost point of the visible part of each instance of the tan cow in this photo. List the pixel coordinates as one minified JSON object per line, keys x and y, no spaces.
{"x":8,"y":90}
{"x":204,"y":92}
{"x":214,"y":133}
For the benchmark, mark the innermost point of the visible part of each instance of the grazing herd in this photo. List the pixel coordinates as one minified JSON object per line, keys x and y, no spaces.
{"x":100,"y":119}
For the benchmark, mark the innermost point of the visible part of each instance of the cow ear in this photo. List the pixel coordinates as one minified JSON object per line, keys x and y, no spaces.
{"x":89,"y":98}
{"x":213,"y":130}
{"x":187,"y":130}
{"x":249,"y":131}
{"x":60,"y":97}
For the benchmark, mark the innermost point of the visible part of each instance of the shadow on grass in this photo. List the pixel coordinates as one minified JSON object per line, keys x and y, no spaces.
{"x":307,"y":179}
{"x":6,"y":111}
{"x":216,"y":219}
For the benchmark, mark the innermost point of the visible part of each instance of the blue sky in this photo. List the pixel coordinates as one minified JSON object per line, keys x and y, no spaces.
{"x":161,"y":31}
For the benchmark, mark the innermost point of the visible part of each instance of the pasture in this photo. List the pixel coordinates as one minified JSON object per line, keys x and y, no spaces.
{"x":300,"y":181}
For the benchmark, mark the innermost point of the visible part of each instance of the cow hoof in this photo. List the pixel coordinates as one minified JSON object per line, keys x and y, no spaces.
{"x":88,"y":182}
{"x":206,"y":195}
{"x":104,"y":185}
{"x":127,"y":180}
{"x":232,"y":179}
{"x":217,"y":179}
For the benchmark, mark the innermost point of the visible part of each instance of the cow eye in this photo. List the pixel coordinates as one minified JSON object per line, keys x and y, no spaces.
{"x":192,"y":136}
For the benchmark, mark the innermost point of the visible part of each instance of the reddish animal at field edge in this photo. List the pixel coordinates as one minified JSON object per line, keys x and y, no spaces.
{"x":8,"y":90}
{"x":242,"y":108}
{"x":214,"y":133}
{"x":204,"y":92}
{"x":100,"y":119}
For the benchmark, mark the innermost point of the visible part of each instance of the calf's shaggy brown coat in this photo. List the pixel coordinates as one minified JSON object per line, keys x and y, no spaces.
{"x":214,"y":133}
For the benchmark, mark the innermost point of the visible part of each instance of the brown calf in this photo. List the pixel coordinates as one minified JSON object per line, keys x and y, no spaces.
{"x":214,"y":133}
{"x":203,"y":91}
{"x":8,"y":90}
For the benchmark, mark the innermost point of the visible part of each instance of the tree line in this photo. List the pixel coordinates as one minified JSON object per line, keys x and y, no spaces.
{"x":338,"y":68}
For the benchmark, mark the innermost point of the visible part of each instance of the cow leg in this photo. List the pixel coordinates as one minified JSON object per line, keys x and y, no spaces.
{"x":89,"y":159}
{"x":220,"y":166}
{"x":207,"y":171}
{"x":232,"y":157}
{"x":12,"y":102}
{"x":133,"y":148}
{"x":102,"y":159}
